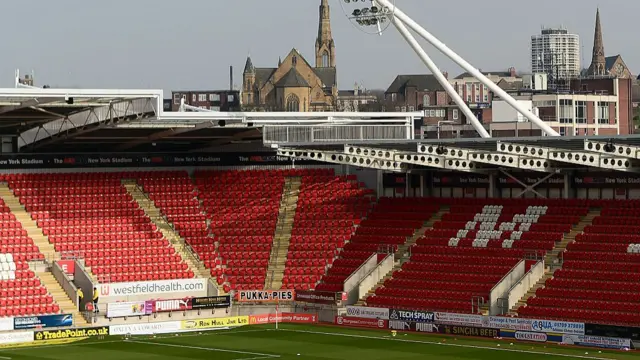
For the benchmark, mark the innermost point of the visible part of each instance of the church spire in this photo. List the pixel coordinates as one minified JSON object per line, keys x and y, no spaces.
{"x":598,"y":62}
{"x":325,"y":47}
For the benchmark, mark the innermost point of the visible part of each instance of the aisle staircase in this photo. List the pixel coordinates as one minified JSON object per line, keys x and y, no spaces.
{"x":166,"y":229}
{"x":404,"y":251}
{"x":61,"y":298}
{"x":284,"y":226}
{"x":30,"y":225}
{"x":540,"y":284}
{"x":553,"y":257}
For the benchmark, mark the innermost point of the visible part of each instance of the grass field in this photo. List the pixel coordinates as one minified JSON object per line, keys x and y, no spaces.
{"x":302,"y":342}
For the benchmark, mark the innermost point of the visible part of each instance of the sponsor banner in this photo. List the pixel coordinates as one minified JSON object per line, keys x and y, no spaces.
{"x":530,"y":336}
{"x":316,"y":297}
{"x":68,"y":266}
{"x":563,"y":327}
{"x":411,"y":315}
{"x":16,"y":337}
{"x":156,"y":306}
{"x":6,"y":324}
{"x":469,"y":331}
{"x":146,"y":328}
{"x":367,"y":312}
{"x":597,"y":341}
{"x":625,"y":332}
{"x":361,"y":322}
{"x":71,"y":333}
{"x":461,"y":319}
{"x":48,"y":161}
{"x":203,"y":324}
{"x":422,"y":327}
{"x":211,"y":302}
{"x":160,"y":287}
{"x":128,"y":308}
{"x":533,"y":325}
{"x":42,"y":321}
{"x":283,"y":318}
{"x":266,"y":295}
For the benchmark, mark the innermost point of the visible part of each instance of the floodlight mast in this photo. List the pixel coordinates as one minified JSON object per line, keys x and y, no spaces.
{"x":439,"y":76}
{"x":406,"y":20}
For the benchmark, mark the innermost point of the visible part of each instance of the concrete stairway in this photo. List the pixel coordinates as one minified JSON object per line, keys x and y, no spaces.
{"x":540,"y":284}
{"x":30,"y":225}
{"x":61,"y":298}
{"x":403,"y":252}
{"x":552,"y":258}
{"x":284,"y":226}
{"x":166,"y":229}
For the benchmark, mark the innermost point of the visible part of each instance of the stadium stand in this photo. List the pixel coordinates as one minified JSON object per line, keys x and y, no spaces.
{"x":472,"y":248}
{"x":388,"y":225}
{"x":91,"y":216}
{"x":600,"y":277}
{"x":329,"y":207}
{"x":22,"y":293}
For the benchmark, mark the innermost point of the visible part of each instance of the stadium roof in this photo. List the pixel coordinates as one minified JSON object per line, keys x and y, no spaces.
{"x":86,"y":120}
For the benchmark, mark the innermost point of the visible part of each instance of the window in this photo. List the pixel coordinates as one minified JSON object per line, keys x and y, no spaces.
{"x":394,"y":97}
{"x":214,"y":97}
{"x":581,"y":112}
{"x":231,"y":98}
{"x":563,"y":131}
{"x":469,"y":92}
{"x":455,"y":114}
{"x":202,"y":97}
{"x":485,"y":98}
{"x":432,"y":113}
{"x":294,"y":60}
{"x":193,"y":97}
{"x":566,"y":111}
{"x":325,"y":59}
{"x":293,"y":103}
{"x":176,"y":99}
{"x":477,"y":99}
{"x":404,"y":109}
{"x":411,"y":108}
{"x":426,"y":100}
{"x":603,"y":112}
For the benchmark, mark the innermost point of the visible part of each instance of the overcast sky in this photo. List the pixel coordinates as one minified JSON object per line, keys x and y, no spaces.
{"x":189,"y":44}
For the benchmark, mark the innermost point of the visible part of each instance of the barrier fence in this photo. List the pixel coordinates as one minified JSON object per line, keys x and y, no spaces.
{"x":36,"y":328}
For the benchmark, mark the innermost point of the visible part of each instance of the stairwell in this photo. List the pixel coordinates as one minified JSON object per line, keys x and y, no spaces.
{"x":552,"y":259}
{"x":538,"y":285}
{"x":166,"y":229}
{"x":282,"y":238}
{"x":403,"y":253}
{"x":30,"y":225}
{"x":61,"y":298}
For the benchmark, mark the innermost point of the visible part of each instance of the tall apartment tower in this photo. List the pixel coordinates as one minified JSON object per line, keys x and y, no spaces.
{"x":556,"y":52}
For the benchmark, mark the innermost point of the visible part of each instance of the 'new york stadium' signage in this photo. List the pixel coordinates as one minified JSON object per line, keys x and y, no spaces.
{"x":53,"y":161}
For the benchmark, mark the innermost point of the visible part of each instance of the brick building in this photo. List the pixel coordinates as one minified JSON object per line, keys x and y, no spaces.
{"x":216,"y":100}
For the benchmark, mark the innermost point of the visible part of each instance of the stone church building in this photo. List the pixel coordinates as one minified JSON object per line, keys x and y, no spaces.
{"x":295,"y":85}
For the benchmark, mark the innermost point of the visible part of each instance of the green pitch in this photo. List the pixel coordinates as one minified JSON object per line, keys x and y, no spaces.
{"x":302,"y":342}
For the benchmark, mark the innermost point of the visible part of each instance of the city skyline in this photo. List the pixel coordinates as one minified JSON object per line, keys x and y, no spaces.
{"x":193,"y":49}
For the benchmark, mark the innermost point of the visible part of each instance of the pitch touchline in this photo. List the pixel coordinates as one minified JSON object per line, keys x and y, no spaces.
{"x":155,"y":343}
{"x":446,"y":344}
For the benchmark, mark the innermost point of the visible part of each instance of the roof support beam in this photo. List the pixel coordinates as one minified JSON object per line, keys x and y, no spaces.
{"x":486,"y":157}
{"x":27,"y":104}
{"x":613,"y":149}
{"x":165,"y":133}
{"x":431,"y":161}
{"x":342,"y":159}
{"x":584,"y":158}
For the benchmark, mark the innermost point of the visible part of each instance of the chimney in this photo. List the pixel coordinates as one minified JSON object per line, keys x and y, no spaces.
{"x":231,"y":77}
{"x":446,"y":75}
{"x":512,"y":72}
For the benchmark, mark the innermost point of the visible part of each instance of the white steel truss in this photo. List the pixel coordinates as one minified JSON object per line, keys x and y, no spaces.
{"x":611,"y":148}
{"x":342,"y":159}
{"x":584,"y":158}
{"x":431,"y":161}
{"x":402,"y":20}
{"x":487,"y":157}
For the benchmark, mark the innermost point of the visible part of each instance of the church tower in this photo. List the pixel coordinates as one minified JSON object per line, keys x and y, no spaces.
{"x":598,"y":62}
{"x":325,"y":47}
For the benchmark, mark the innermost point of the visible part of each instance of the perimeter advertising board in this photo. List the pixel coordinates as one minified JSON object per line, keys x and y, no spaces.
{"x":283,"y":318}
{"x":361,"y":322}
{"x":266,"y":296}
{"x":536,"y":325}
{"x":214,"y":323}
{"x":71,"y":333}
{"x":43,"y":321}
{"x":367,"y":312}
{"x":597,"y":341}
{"x":159,"y":288}
{"x":140,"y":308}
{"x":317,"y":297}
{"x":411,"y":315}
